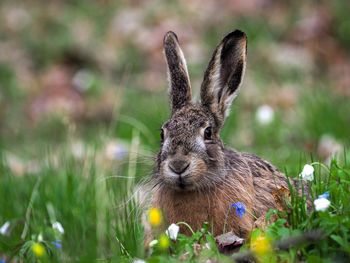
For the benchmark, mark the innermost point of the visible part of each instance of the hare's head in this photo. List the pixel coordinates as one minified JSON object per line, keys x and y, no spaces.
{"x":192,"y":153}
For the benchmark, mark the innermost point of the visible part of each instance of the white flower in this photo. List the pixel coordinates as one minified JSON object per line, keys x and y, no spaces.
{"x":78,"y":149}
{"x":321,"y":204}
{"x":153,"y":243}
{"x":57,"y":225}
{"x":137,"y":260}
{"x":40,"y":238}
{"x":83,"y":80}
{"x":264,"y":115}
{"x":172,"y":231}
{"x":5,"y":227}
{"x":115,"y":150}
{"x":307,"y":173}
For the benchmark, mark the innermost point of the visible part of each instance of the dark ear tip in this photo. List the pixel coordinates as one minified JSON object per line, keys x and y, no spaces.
{"x":236,"y":34}
{"x":170,"y":36}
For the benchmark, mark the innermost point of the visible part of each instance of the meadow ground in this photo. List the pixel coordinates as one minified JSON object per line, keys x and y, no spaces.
{"x":83,"y":94}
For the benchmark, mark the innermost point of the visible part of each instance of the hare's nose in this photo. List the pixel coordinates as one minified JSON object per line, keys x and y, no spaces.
{"x":178,"y":166}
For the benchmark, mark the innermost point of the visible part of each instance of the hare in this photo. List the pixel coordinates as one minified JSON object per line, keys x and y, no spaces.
{"x":196,"y":177}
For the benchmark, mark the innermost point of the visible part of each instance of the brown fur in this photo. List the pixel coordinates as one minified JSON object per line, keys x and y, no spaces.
{"x":196,"y":178}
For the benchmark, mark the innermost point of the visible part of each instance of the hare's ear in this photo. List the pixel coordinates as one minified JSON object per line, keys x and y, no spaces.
{"x":224,"y":75}
{"x":179,"y":82}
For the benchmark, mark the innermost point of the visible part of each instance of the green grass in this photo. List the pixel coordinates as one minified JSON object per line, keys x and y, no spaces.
{"x":102,"y":223}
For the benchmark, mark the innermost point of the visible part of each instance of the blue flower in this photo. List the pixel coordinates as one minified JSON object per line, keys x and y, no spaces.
{"x":2,"y":260}
{"x":324,"y":195}
{"x":240,"y":208}
{"x":57,"y":244}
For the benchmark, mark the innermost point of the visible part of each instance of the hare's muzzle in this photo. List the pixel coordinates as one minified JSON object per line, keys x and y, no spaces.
{"x":178,"y":166}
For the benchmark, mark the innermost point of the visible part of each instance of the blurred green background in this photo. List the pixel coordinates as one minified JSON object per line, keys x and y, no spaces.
{"x":83,"y":94}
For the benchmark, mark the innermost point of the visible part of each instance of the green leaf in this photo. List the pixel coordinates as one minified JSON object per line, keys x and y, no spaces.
{"x":338,"y":239}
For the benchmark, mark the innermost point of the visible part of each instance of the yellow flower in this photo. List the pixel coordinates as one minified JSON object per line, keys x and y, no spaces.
{"x":260,"y":245}
{"x":38,"y":249}
{"x":164,"y":241}
{"x":155,"y":216}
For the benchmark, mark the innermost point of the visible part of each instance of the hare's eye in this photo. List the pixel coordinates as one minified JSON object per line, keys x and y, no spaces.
{"x":208,"y":133}
{"x":162,"y":135}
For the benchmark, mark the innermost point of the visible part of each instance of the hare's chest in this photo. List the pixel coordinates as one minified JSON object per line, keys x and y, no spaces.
{"x":192,"y":208}
{"x":197,"y":208}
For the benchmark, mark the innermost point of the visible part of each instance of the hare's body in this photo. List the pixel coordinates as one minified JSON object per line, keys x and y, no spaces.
{"x":196,"y":178}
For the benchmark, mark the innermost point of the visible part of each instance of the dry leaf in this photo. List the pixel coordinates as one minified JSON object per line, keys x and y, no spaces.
{"x":229,"y":243}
